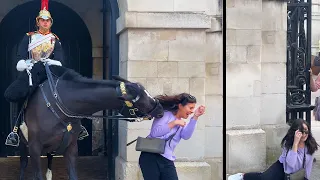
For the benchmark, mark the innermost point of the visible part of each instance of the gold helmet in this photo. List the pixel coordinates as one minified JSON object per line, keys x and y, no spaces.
{"x":44,"y":13}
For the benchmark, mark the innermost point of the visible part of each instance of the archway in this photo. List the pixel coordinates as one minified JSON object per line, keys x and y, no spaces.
{"x":77,"y":47}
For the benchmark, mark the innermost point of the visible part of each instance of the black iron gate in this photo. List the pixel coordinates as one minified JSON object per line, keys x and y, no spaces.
{"x":298,"y":60}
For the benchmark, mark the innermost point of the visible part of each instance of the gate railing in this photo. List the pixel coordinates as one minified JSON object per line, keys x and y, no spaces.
{"x":298,"y":60}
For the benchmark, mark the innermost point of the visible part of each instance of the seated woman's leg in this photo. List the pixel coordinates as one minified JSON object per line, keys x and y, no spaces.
{"x":274,"y":172}
{"x":252,"y":176}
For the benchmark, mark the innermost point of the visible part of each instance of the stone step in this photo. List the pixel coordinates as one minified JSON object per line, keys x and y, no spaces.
{"x":89,"y":167}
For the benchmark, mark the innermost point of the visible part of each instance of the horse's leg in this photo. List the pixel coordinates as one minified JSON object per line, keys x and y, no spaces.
{"x":70,"y":156}
{"x":35,"y":153}
{"x":49,"y":170}
{"x":23,"y":159}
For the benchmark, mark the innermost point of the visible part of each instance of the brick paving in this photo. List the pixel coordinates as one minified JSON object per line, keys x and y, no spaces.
{"x":93,"y":168}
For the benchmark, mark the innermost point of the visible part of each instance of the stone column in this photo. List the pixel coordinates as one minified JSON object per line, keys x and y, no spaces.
{"x":244,"y":43}
{"x":213,"y":91}
{"x":315,"y":33}
{"x":315,"y":37}
{"x":256,"y":81}
{"x":166,"y":53}
{"x":273,"y":76}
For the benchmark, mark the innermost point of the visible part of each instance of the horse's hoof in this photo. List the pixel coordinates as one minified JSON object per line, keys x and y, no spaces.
{"x":13,"y":139}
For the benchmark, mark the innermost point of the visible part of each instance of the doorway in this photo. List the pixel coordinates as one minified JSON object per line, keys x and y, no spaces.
{"x":77,"y":46}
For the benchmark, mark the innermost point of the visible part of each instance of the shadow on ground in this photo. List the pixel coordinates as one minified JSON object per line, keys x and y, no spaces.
{"x":93,"y":168}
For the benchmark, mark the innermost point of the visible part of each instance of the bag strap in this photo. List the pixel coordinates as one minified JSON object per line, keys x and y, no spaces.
{"x":304,"y":157}
{"x":286,"y":159}
{"x":172,"y":135}
{"x":132,"y":142}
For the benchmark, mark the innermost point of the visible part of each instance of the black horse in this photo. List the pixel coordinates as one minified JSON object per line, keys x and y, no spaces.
{"x":54,"y":111}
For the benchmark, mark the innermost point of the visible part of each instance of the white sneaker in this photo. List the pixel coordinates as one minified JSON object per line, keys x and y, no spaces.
{"x":238,"y":176}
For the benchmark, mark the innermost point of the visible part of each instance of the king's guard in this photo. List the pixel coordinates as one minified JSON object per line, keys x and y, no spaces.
{"x":35,"y":48}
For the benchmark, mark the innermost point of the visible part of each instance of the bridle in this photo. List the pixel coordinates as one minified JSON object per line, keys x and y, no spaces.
{"x":132,"y":113}
{"x":130,"y":110}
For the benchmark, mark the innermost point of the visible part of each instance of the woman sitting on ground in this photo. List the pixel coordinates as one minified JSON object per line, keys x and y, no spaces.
{"x":160,"y":166}
{"x":297,"y":144}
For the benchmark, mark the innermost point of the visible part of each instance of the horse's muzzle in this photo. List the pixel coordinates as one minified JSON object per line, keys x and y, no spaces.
{"x":157,"y":112}
{"x":160,"y":115}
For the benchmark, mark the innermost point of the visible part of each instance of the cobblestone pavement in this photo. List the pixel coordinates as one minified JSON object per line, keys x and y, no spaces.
{"x":315,"y":173}
{"x":315,"y":128}
{"x":93,"y":168}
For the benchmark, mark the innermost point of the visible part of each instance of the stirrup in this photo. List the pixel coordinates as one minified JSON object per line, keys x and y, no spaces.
{"x":83,"y":133}
{"x":13,"y":138}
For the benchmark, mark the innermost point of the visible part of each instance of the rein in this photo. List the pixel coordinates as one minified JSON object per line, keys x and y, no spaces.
{"x":70,"y":114}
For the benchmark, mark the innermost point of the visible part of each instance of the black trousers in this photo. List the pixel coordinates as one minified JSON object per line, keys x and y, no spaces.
{"x":156,"y":167}
{"x":20,"y":89}
{"x":274,"y":172}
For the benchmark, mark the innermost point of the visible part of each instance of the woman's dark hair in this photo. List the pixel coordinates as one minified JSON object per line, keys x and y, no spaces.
{"x":170,"y":103}
{"x":288,"y":139}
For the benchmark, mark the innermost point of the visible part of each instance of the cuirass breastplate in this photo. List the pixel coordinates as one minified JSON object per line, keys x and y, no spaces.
{"x":43,"y":50}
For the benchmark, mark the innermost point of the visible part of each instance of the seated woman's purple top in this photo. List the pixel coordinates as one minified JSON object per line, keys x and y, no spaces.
{"x":160,"y":129}
{"x":294,"y":161}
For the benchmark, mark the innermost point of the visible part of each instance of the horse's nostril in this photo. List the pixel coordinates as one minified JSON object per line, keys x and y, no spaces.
{"x":160,"y":115}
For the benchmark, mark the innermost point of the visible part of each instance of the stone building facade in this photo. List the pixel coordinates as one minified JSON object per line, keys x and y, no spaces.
{"x":169,"y":46}
{"x":179,"y":45}
{"x":315,"y":40}
{"x":256,"y":83}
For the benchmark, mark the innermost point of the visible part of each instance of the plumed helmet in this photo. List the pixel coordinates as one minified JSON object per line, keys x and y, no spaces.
{"x":44,"y":12}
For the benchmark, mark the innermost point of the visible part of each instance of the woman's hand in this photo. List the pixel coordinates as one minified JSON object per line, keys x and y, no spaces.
{"x":199,"y":112}
{"x":297,"y":137}
{"x":176,"y":122}
{"x":181,"y":123}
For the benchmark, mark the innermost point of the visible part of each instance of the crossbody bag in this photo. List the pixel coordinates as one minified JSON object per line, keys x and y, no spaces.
{"x":152,"y":145}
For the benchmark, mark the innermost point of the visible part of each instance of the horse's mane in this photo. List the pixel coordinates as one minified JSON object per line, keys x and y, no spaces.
{"x":68,"y":74}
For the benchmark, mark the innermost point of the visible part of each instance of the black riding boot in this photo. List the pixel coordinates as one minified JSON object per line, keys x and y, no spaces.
{"x":19,"y":89}
{"x":83,"y":133}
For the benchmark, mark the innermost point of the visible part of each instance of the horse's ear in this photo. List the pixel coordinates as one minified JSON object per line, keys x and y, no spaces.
{"x":121,"y":98}
{"x":118,"y":78}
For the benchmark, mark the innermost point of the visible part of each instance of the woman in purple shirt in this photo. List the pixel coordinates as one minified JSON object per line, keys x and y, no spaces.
{"x":297,"y":144}
{"x":160,"y":166}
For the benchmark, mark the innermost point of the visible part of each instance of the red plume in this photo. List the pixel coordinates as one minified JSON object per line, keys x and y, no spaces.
{"x":44,"y":4}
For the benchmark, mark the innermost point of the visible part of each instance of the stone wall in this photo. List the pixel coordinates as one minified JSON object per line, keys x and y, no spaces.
{"x":256,"y":81}
{"x":173,"y":47}
{"x":315,"y":33}
{"x":315,"y":37}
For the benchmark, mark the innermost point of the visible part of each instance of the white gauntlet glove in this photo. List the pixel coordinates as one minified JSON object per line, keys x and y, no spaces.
{"x":52,"y":62}
{"x":21,"y":65}
{"x":24,"y":64}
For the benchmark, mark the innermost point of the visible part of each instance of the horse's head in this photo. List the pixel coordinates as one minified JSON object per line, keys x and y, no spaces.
{"x":136,"y":97}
